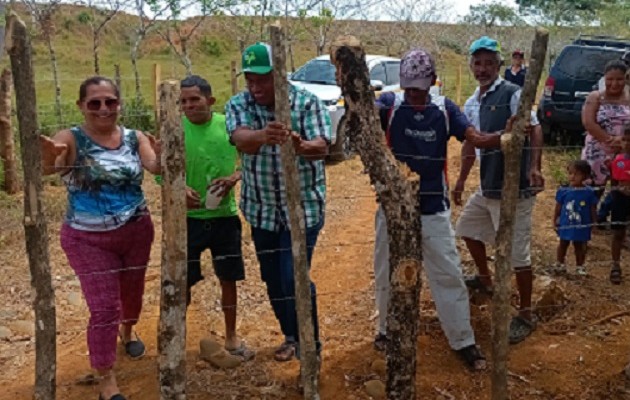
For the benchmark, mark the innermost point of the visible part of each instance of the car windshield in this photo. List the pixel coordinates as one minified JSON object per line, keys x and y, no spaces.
{"x":585,"y":63}
{"x":316,"y":71}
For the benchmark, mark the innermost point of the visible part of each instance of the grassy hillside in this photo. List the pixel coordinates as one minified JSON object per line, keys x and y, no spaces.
{"x":216,"y":44}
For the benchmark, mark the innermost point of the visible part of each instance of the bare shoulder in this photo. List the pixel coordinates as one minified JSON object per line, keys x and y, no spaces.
{"x":64,"y":136}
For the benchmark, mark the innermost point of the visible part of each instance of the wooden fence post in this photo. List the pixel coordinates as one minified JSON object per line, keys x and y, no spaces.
{"x":172,"y":336}
{"x":398,"y":197}
{"x":18,"y":45}
{"x":118,"y":81}
{"x":157,"y":78}
{"x":458,"y":96}
{"x":303,"y":299}
{"x":233,"y":77}
{"x":512,"y":147}
{"x":7,"y":142}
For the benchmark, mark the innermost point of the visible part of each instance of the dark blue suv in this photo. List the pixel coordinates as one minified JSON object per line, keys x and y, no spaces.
{"x":574,"y":74}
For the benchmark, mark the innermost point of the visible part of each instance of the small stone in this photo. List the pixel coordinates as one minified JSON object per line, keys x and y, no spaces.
{"x":375,"y":389}
{"x":22,"y":327}
{"x":74,"y":299}
{"x":379,"y":367}
{"x":5,"y":332}
{"x":208,"y":347}
{"x":225,"y":360}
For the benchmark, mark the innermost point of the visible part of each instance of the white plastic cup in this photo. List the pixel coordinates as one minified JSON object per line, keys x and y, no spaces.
{"x":212,"y":197}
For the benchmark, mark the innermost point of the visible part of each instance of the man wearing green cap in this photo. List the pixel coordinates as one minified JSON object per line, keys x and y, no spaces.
{"x":251,"y":124}
{"x":494,"y":102}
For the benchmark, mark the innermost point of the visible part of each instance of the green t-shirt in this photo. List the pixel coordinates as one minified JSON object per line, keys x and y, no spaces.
{"x":209,"y":155}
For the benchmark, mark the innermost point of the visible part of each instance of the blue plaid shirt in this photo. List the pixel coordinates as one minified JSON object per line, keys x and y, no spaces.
{"x":263,"y":198}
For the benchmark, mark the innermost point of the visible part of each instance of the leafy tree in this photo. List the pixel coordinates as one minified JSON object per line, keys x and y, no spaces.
{"x":178,"y":32}
{"x":99,"y":13}
{"x":490,"y":15}
{"x":561,"y":12}
{"x":42,"y":14}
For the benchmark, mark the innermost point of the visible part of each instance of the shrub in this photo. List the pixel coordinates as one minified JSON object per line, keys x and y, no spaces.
{"x":210,"y":47}
{"x":137,"y":114}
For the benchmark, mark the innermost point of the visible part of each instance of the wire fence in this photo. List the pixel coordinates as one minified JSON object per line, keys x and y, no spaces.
{"x":605,"y":306}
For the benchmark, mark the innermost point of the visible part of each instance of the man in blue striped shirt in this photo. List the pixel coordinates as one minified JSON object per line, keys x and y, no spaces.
{"x":255,"y":133}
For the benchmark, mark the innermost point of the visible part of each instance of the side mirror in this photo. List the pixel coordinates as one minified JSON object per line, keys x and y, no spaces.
{"x":376,"y":85}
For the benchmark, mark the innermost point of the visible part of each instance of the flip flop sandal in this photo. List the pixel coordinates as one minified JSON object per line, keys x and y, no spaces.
{"x":474,"y":282}
{"x":380,"y":342}
{"x":242,"y":351}
{"x":520,"y":328}
{"x":471,"y":354}
{"x":285,"y":352}
{"x":114,"y":397}
{"x":135,"y":349}
{"x":615,"y":274}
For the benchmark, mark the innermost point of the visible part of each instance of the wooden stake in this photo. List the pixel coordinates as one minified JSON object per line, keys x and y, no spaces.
{"x":308,"y":352}
{"x":157,"y":78}
{"x":172,"y":336}
{"x":233,"y":77}
{"x":512,"y":147}
{"x":398,"y":197}
{"x":459,"y":85}
{"x":7,"y":143}
{"x":19,"y":47}
{"x":118,"y":81}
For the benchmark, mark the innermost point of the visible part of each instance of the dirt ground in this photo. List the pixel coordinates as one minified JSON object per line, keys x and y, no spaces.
{"x":578,"y":353}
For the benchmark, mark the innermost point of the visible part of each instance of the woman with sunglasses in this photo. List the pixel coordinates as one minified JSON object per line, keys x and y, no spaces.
{"x":107,"y":232}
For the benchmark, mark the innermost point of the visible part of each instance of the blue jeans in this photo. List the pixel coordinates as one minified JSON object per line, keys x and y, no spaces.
{"x":273,"y":250}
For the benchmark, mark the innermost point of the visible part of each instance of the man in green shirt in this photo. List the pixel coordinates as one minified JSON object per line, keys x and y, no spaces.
{"x":212,"y":222}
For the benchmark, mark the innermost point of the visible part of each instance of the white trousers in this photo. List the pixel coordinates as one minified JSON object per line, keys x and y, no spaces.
{"x":443,"y":269}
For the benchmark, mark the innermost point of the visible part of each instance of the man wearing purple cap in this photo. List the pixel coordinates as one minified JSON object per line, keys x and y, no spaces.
{"x":418,"y":128}
{"x":494,"y":102}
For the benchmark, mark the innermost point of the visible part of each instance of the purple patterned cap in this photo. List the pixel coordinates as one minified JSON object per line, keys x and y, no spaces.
{"x":417,"y":70}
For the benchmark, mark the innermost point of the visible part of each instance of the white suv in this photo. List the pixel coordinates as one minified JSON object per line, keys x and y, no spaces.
{"x":318,"y":77}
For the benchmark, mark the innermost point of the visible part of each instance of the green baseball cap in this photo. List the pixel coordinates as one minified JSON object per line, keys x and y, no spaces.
{"x":257,"y":59}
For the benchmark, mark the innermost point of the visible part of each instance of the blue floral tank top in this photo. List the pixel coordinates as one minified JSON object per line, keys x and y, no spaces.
{"x":104,"y":185}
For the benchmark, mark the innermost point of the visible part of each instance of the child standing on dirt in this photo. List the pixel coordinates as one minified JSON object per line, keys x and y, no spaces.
{"x":620,"y":169}
{"x":575,"y":213}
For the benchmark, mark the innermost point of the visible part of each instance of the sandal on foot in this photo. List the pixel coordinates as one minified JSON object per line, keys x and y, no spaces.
{"x":474,"y":282}
{"x":135,"y":349}
{"x":520,"y":328}
{"x":380,"y":342}
{"x":114,"y":397}
{"x":242,"y":351}
{"x":472,"y":356}
{"x":285,"y":352}
{"x":615,"y":274}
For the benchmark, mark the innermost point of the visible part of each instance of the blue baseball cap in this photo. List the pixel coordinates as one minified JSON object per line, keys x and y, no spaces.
{"x":485,"y":43}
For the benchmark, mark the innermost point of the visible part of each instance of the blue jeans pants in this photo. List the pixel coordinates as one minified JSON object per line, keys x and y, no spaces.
{"x":276,"y":269}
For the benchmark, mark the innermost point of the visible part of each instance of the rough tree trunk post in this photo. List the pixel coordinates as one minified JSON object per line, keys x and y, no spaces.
{"x":134,"y":67}
{"x":303,"y":303}
{"x":512,"y":147}
{"x":95,"y":46}
{"x":118,"y":81}
{"x":233,"y":77}
{"x":458,"y":96}
{"x":172,"y":337}
{"x":55,"y":71}
{"x":157,"y":78}
{"x":398,"y":197}
{"x":7,"y":143}
{"x":19,"y":47}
